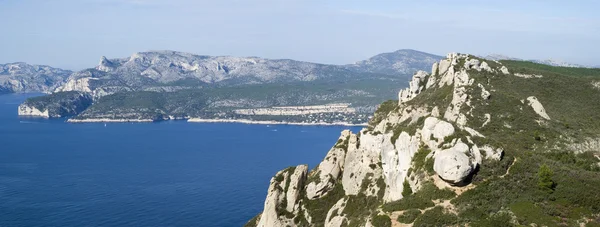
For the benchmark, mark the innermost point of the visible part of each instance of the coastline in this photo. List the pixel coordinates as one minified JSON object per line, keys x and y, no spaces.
{"x":107,"y":120}
{"x":245,"y":121}
{"x":201,"y":120}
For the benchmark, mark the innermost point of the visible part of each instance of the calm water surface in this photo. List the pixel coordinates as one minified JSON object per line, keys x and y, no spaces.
{"x":171,"y":173}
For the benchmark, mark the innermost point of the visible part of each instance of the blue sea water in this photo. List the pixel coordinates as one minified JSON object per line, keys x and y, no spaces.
{"x":173,"y":173}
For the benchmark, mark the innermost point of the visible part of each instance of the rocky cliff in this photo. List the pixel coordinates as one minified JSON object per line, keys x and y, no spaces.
{"x":461,"y":146}
{"x":61,"y":104}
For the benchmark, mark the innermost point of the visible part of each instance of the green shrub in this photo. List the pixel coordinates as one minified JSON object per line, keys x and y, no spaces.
{"x":381,"y":221}
{"x":421,"y":199}
{"x":545,"y":181}
{"x":382,"y":111}
{"x":436,"y":217}
{"x":406,"y":190}
{"x":409,"y":216}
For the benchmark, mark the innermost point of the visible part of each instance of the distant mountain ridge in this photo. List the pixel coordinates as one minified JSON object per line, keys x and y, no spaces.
{"x":23,"y":77}
{"x":149,"y":70}
{"x":405,"y":61}
{"x":159,"y":85}
{"x":551,"y":62}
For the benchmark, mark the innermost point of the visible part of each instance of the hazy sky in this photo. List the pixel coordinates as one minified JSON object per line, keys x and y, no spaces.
{"x":75,"y":33}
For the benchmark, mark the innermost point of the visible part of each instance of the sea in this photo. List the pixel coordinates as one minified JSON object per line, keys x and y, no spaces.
{"x":171,"y":173}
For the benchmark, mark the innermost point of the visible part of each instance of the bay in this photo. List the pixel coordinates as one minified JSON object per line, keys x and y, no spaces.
{"x":171,"y":173}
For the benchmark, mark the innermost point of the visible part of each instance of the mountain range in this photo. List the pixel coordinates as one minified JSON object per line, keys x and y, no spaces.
{"x":21,"y":77}
{"x":228,"y":87}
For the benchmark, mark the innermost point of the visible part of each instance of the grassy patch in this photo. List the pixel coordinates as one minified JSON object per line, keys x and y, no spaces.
{"x":421,"y":199}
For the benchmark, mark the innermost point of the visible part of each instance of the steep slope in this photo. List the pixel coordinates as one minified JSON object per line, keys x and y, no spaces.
{"x":474,"y":142}
{"x":22,"y":77}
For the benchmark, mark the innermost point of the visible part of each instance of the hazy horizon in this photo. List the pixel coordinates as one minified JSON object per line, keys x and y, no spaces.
{"x":75,"y":34}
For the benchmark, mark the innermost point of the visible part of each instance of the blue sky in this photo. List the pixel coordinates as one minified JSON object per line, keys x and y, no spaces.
{"x":74,"y":34}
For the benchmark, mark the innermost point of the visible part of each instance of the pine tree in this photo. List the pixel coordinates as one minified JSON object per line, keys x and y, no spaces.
{"x":545,"y":181}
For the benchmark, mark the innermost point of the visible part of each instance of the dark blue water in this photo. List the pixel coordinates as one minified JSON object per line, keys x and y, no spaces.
{"x":172,"y":173}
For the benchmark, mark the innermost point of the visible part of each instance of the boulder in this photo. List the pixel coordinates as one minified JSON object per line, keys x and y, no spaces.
{"x":453,"y":165}
{"x":504,"y":70}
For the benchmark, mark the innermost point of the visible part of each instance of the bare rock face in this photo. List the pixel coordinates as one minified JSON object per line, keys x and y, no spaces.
{"x":361,"y":161}
{"x":537,"y":107}
{"x":283,"y":197}
{"x":330,"y":168}
{"x":30,"y":110}
{"x":415,"y":87}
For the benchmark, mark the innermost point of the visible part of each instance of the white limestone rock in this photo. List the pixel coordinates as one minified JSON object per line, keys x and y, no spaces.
{"x":28,"y":110}
{"x":77,"y":84}
{"x":295,"y":186}
{"x":444,"y":66}
{"x":504,"y":70}
{"x":473,"y":132}
{"x":334,"y":217}
{"x":359,"y":160}
{"x":453,"y":165}
{"x":437,"y":128}
{"x":396,"y":160}
{"x":105,"y":65}
{"x":484,"y":66}
{"x":277,"y":195}
{"x":488,"y":119}
{"x":472,"y":64}
{"x":491,"y":153}
{"x":528,"y":76}
{"x":434,"y":69}
{"x":537,"y":107}
{"x":329,"y":169}
{"x":485,"y":94}
{"x":414,"y":87}
{"x":596,"y":84}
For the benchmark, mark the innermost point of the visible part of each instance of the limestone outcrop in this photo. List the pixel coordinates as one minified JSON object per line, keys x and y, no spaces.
{"x":436,"y":134}
{"x":283,"y":197}
{"x":329,"y":170}
{"x":61,"y":104}
{"x":537,"y":107}
{"x":30,"y":110}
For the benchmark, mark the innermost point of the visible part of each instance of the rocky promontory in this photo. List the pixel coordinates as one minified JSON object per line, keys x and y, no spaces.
{"x":62,"y":104}
{"x":461,"y":147}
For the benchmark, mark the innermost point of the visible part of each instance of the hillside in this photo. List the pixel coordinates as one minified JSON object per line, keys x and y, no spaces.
{"x":473,"y":143}
{"x":160,"y":85}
